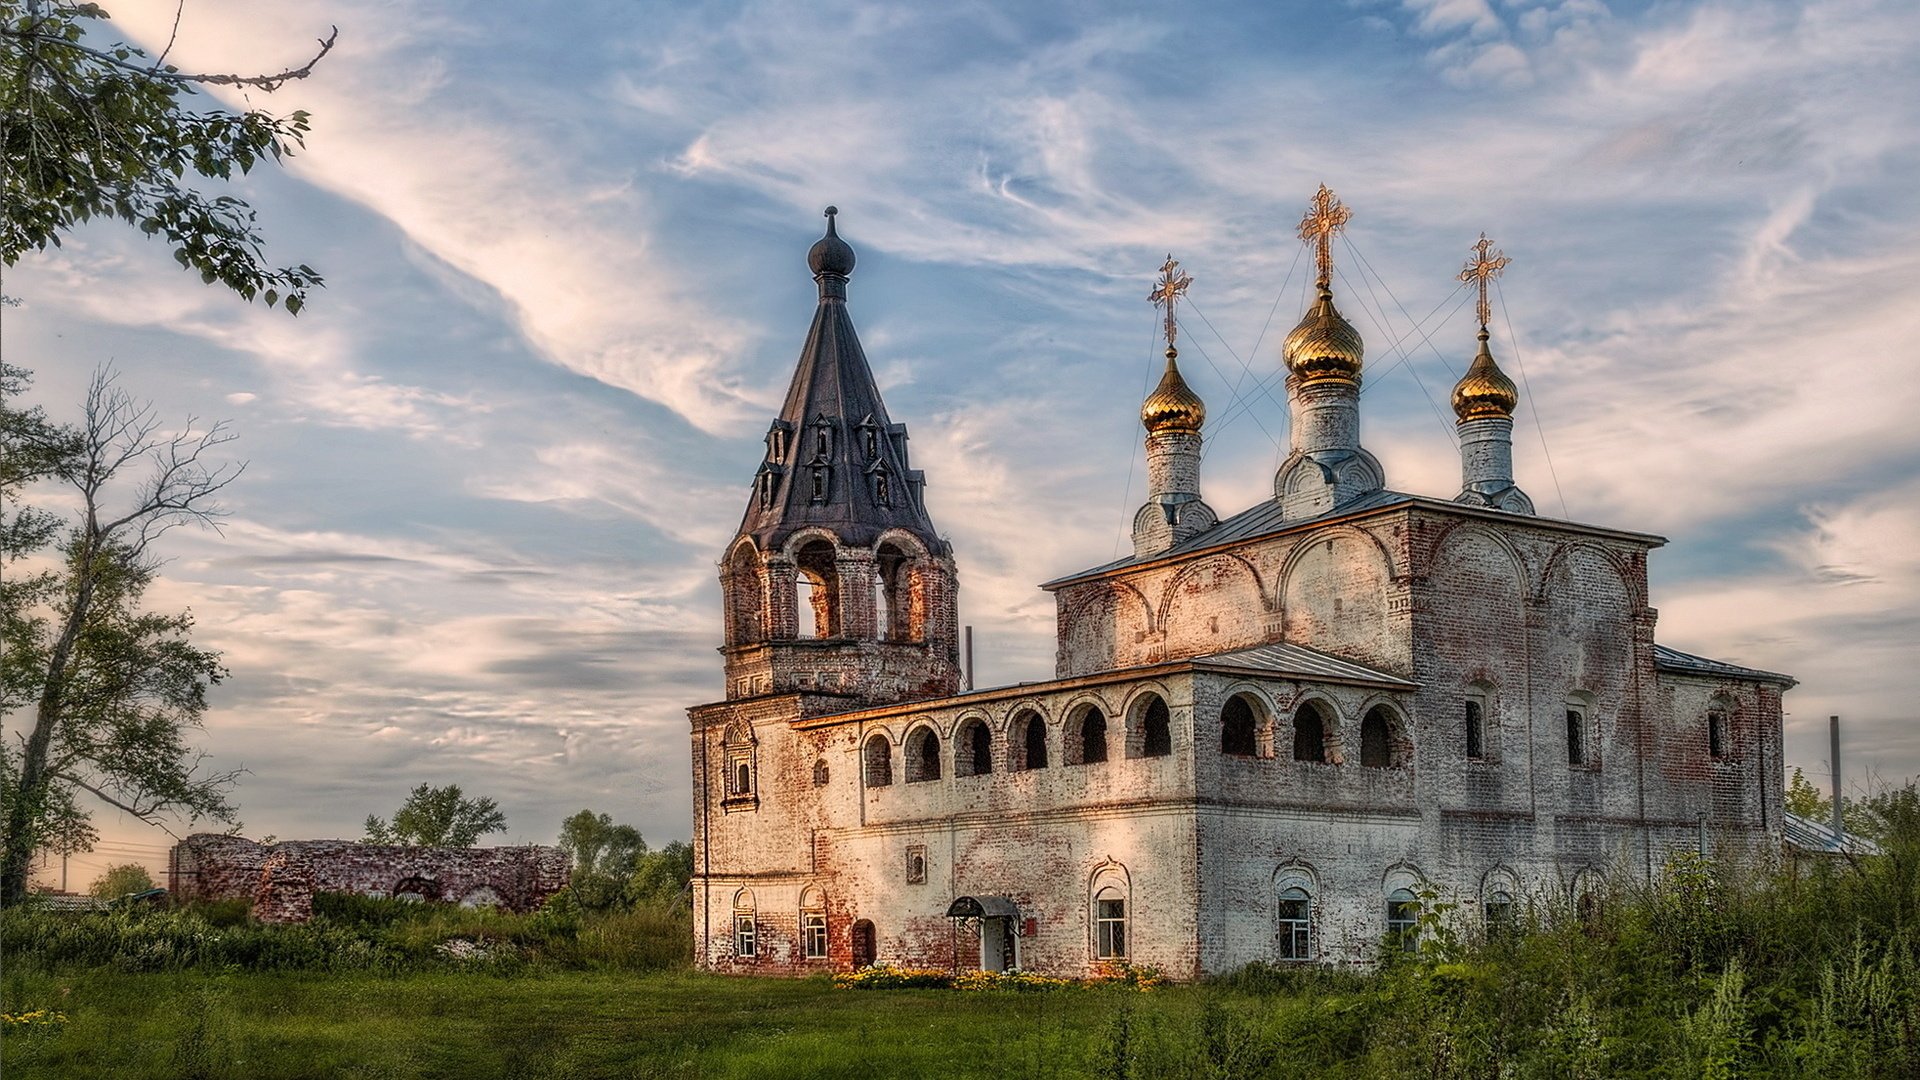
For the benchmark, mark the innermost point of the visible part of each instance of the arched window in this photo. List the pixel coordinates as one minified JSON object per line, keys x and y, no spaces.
{"x":736,"y":779}
{"x":1403,"y":920}
{"x":1110,"y":924}
{"x":817,"y":591}
{"x":879,"y":760}
{"x":1237,"y":727}
{"x":1475,"y":725}
{"x":1309,"y":733}
{"x":813,"y":924}
{"x":742,"y":778}
{"x":893,"y":606}
{"x":746,"y":938}
{"x":1716,"y":733}
{"x":1030,"y":739}
{"x":1498,"y":911}
{"x":1090,"y":747}
{"x":1296,"y":924}
{"x":1378,"y":739}
{"x":923,"y":756}
{"x":974,"y":755}
{"x":1156,"y":734}
{"x":820,"y":773}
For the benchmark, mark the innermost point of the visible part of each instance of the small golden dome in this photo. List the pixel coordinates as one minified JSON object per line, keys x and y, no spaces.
{"x":1484,"y":391}
{"x":1173,"y":406}
{"x":1325,"y":345}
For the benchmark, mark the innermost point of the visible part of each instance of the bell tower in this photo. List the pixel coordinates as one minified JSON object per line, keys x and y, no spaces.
{"x":836,"y":583}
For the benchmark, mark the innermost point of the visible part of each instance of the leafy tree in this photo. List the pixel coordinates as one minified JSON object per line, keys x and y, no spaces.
{"x":662,"y":875}
{"x":1805,"y":799}
{"x":438,"y":817}
{"x":120,"y":880}
{"x":112,"y":690}
{"x":599,"y":847}
{"x":91,"y":127}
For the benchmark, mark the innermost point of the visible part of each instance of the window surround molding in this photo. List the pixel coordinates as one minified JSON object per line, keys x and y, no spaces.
{"x":746,"y":931}
{"x":1109,"y":882}
{"x":739,"y":762}
{"x":1296,"y":942}
{"x":814,"y":943}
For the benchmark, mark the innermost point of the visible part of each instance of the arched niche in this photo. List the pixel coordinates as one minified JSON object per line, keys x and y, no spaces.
{"x":1103,"y":625}
{"x":1214,"y":605}
{"x":1334,"y":593}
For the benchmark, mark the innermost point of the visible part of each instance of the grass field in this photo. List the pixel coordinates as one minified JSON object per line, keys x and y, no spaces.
{"x":568,"y":1024}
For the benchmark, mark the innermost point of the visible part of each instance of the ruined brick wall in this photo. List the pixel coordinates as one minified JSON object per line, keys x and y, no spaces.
{"x":280,"y":878}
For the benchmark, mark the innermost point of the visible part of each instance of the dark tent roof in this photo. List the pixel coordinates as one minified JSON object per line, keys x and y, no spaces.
{"x":834,"y":426}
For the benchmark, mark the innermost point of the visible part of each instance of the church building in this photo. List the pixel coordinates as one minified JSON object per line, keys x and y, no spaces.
{"x":1270,"y":736}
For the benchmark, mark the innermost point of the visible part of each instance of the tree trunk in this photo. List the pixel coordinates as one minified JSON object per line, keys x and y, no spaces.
{"x":46,"y":717}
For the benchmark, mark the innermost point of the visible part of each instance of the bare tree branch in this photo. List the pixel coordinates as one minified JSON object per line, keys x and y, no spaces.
{"x":31,"y":35}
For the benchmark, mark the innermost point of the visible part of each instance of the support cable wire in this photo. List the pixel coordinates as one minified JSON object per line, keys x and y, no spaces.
{"x":1444,"y":362}
{"x":1380,"y":324}
{"x":1202,"y":349}
{"x":1405,"y":358}
{"x":1514,"y":343}
{"x":1243,"y":403}
{"x":1126,"y":493}
{"x":1279,"y":295}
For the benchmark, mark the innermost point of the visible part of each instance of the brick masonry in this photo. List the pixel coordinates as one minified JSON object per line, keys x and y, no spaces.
{"x":280,"y":879}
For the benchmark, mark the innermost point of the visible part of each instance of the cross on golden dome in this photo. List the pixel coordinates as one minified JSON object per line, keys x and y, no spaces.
{"x":1484,"y":265}
{"x":1173,"y":282}
{"x":1325,"y":217}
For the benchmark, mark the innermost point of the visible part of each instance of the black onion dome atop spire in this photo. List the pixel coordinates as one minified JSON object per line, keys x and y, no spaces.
{"x":830,"y":254}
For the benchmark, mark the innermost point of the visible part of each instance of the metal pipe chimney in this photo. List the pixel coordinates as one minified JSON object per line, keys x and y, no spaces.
{"x":969,"y":658}
{"x":1839,"y":828}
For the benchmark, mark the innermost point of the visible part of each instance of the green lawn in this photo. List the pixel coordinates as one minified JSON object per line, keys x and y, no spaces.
{"x":567,"y":1024}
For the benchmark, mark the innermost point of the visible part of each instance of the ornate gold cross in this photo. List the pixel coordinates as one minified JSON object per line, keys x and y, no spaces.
{"x":1173,"y":282}
{"x":1484,"y":265}
{"x":1325,"y":218}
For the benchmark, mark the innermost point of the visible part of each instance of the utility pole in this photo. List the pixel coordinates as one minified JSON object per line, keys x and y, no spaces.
{"x":1839,"y":823}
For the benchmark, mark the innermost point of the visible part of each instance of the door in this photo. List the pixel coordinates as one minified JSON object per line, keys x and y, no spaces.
{"x":863,"y":944}
{"x":997,"y":949}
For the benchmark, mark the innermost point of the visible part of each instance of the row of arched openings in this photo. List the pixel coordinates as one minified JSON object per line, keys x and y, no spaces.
{"x":1087,"y":742}
{"x":1089,"y":736}
{"x":820,"y":599}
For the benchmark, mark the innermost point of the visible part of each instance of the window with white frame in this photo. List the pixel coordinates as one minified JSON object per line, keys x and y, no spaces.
{"x":1403,"y":920}
{"x":1110,"y":924}
{"x":813,"y":931}
{"x":1296,"y":924}
{"x":744,"y":943}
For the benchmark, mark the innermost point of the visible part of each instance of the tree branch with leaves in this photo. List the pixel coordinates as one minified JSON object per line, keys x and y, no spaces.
{"x":90,"y":127}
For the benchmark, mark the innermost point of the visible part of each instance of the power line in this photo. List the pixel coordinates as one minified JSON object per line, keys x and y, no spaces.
{"x":1532,"y":408}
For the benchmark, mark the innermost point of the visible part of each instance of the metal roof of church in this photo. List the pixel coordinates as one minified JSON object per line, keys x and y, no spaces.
{"x":1689,"y":664}
{"x":1266,"y":518}
{"x":1285,"y":658}
{"x":832,"y":418}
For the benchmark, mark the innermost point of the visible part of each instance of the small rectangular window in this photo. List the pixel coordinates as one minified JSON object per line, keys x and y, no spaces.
{"x":1476,"y":732}
{"x":743,"y":935}
{"x":1112,"y":919}
{"x":1576,"y":738}
{"x":815,"y":931}
{"x":1717,"y":734}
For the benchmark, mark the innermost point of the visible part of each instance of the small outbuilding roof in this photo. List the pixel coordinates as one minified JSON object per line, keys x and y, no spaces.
{"x":1818,"y":837}
{"x":983,"y":907}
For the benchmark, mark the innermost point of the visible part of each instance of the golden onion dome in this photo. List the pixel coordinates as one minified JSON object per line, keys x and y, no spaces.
{"x":1484,"y":392}
{"x":1173,"y":406}
{"x":1325,"y":345}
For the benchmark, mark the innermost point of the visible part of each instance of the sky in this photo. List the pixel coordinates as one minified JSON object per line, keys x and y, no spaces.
{"x":491,"y":467}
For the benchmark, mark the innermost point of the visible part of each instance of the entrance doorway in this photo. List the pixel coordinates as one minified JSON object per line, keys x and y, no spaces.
{"x":864,"y":951}
{"x":999,"y":950}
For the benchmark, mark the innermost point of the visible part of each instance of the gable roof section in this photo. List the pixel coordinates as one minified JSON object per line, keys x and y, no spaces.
{"x":1299,"y":662}
{"x":1674,"y":660}
{"x":1265,"y":519}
